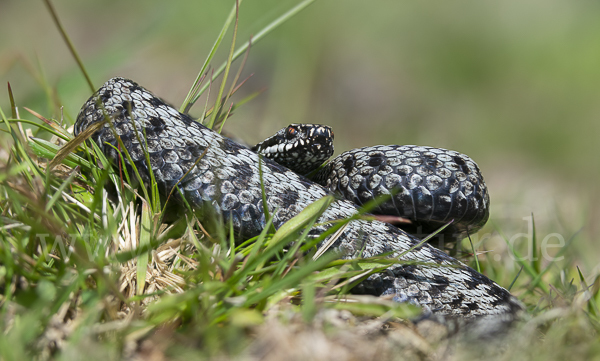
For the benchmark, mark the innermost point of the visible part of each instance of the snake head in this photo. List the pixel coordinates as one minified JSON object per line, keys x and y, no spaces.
{"x":299,"y":147}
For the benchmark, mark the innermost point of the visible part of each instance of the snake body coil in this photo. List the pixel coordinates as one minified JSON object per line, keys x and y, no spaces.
{"x":226,"y":180}
{"x":428,"y":186}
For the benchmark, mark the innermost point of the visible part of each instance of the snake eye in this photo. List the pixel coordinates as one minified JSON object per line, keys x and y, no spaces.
{"x":291,"y":132}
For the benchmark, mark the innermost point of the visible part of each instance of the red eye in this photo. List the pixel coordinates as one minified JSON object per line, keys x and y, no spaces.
{"x":291,"y":132}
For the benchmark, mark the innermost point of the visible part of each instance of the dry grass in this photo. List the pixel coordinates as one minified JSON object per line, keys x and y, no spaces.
{"x":85,"y":277}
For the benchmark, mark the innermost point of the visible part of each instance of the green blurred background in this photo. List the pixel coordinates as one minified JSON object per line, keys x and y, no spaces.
{"x":515,"y":84}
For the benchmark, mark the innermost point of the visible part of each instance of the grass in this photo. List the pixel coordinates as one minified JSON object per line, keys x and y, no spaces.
{"x":82,"y":276}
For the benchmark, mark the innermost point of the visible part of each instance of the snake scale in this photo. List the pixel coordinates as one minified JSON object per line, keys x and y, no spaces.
{"x":224,"y":179}
{"x":431,"y":186}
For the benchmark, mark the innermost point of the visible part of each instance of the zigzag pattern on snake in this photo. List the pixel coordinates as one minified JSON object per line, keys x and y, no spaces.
{"x":226,"y":181}
{"x":426,"y":186}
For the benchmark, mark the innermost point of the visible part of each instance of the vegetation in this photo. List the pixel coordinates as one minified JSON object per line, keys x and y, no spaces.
{"x":85,"y":276}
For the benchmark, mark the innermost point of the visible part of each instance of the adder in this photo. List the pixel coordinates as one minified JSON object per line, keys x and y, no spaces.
{"x":222,"y":177}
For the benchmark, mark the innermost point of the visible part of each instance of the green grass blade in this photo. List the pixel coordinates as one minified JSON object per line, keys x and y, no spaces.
{"x":288,"y":281}
{"x":535,"y":282}
{"x":515,"y":279}
{"x":45,"y":149}
{"x":50,"y":130}
{"x":58,"y":193}
{"x":523,"y":262}
{"x":193,"y":95}
{"x":145,"y":241}
{"x":217,"y":106}
{"x":57,"y":129}
{"x":68,"y":148}
{"x":377,"y":307}
{"x":294,"y":225}
{"x":478,"y":268}
{"x":309,"y":309}
{"x":13,"y":106}
{"x":536,"y":261}
{"x":67,"y":40}
{"x":222,"y":119}
{"x":255,"y":39}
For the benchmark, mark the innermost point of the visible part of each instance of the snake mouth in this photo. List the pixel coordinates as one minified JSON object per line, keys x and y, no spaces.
{"x":276,"y":149}
{"x":280,"y":149}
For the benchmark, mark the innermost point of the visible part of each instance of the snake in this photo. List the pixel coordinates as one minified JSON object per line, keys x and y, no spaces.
{"x":218,"y":176}
{"x":427,"y":186}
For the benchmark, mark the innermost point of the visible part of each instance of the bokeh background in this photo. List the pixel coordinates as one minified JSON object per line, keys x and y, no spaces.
{"x":515,"y":83}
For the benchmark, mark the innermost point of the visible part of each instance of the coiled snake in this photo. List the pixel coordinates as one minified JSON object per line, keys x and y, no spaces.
{"x":223,"y":178}
{"x":430,"y":186}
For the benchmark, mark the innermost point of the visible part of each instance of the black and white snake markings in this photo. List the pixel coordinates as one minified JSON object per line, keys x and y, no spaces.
{"x":430,"y":186}
{"x":226,"y":181}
